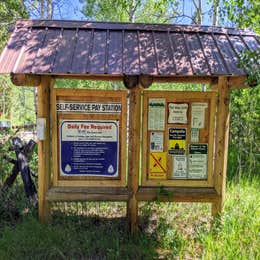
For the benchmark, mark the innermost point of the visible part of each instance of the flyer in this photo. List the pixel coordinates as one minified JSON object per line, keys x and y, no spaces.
{"x":179,"y":166}
{"x":177,"y":113}
{"x":156,"y":114}
{"x":156,"y":141}
{"x":177,"y":141}
{"x":198,"y":115}
{"x":194,"y":135}
{"x":158,"y":166}
{"x":89,"y":148}
{"x":198,"y":160}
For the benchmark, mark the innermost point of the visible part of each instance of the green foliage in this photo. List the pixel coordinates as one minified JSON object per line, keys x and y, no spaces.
{"x":10,"y":11}
{"x":168,"y":230}
{"x":245,"y":13}
{"x":244,"y":148}
{"x":130,"y":11}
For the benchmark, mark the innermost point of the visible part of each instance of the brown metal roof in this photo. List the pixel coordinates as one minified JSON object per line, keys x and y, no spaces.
{"x":75,"y":47}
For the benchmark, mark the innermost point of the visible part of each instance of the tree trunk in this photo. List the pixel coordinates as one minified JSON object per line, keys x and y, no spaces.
{"x":215,"y":12}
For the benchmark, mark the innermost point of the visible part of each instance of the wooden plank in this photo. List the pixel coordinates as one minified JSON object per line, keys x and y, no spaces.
{"x":221,"y":151}
{"x":134,"y":156}
{"x":87,"y":194}
{"x":44,"y":148}
{"x":54,"y":137}
{"x":177,"y":194}
{"x":25,"y":80}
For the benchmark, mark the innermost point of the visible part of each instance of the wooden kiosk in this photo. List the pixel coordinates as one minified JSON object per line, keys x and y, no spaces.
{"x":176,"y":140}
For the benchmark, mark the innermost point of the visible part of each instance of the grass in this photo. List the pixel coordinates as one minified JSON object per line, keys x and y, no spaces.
{"x":167,"y":230}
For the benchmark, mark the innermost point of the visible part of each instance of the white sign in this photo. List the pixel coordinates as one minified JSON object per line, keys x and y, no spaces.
{"x":156,"y":114}
{"x":178,"y":113}
{"x":198,"y":115}
{"x":88,"y":107}
{"x":194,"y":135}
{"x":156,"y":142}
{"x":179,"y":166}
{"x":198,"y":160}
{"x":41,"y":128}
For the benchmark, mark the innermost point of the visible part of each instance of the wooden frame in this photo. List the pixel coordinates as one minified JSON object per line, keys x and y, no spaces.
{"x":207,"y":135}
{"x":88,"y":96}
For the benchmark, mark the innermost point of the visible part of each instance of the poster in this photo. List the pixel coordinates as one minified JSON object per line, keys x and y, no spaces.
{"x":88,"y":107}
{"x":156,"y":114}
{"x":194,"y":135}
{"x":198,"y":160}
{"x":89,"y":148}
{"x":177,"y":141}
{"x":177,"y":113}
{"x":156,"y":142}
{"x":198,"y":115}
{"x":157,"y":166}
{"x":179,"y":166}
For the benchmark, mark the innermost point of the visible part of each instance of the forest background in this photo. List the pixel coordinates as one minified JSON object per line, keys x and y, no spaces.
{"x":18,"y":105}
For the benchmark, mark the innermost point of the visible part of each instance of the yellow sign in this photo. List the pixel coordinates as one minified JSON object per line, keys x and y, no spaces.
{"x":158,"y":166}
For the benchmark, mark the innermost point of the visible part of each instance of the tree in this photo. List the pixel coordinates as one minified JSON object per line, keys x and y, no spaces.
{"x":130,"y":10}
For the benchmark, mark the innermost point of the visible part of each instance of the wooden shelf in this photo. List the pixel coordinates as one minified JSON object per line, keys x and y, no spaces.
{"x":177,"y":194}
{"x":87,"y":194}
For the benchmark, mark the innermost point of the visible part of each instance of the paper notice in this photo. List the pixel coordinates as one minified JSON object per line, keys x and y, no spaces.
{"x":156,"y":114}
{"x":179,"y":166}
{"x":157,"y":166}
{"x":156,"y":142}
{"x":198,"y":115}
{"x":177,"y":113}
{"x":177,"y":141}
{"x":194,"y":135}
{"x":198,"y":160}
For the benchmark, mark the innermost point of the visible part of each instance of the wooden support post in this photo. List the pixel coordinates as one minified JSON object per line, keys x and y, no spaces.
{"x":133,"y":157}
{"x":221,"y":151}
{"x":44,"y":148}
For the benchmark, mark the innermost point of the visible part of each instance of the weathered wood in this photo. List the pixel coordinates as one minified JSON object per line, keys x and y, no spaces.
{"x":44,"y":148}
{"x":26,"y":80}
{"x":133,"y":156}
{"x":222,"y":134}
{"x":177,"y":194}
{"x":239,"y":82}
{"x":145,"y":81}
{"x":87,"y":194}
{"x":130,"y":81}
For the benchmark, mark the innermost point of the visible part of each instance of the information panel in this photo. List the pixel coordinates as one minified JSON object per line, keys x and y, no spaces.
{"x":89,"y":148}
{"x":178,"y":137}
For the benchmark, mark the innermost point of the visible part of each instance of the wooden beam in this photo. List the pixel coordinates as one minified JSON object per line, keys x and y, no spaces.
{"x":103,"y":77}
{"x":87,"y":194}
{"x":145,"y":81}
{"x":25,"y":80}
{"x":185,"y":79}
{"x":44,"y":148}
{"x":134,"y":157}
{"x":178,"y":194}
{"x":221,"y":152}
{"x":130,"y":82}
{"x":237,"y":82}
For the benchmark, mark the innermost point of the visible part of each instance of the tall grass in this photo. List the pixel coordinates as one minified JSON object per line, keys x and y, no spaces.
{"x":167,"y":230}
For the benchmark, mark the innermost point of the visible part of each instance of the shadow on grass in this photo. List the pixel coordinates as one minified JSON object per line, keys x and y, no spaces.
{"x":76,"y":237}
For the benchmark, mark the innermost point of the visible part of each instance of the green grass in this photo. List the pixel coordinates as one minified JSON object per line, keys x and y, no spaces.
{"x":167,"y":230}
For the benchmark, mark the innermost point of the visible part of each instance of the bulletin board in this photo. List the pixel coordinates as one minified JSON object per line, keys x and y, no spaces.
{"x":89,"y":137}
{"x":178,"y":138}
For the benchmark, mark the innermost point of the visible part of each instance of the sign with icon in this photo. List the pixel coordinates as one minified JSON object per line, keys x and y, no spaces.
{"x":89,"y":148}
